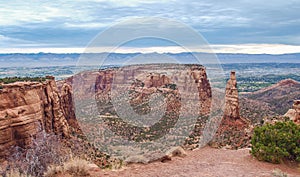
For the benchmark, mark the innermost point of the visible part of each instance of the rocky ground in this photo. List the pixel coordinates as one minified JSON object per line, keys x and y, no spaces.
{"x":205,"y":162}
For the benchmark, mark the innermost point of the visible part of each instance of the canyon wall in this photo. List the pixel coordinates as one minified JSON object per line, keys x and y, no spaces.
{"x":27,"y":108}
{"x":184,"y":78}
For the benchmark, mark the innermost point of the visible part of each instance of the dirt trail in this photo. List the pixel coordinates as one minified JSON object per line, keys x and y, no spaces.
{"x":204,"y":162}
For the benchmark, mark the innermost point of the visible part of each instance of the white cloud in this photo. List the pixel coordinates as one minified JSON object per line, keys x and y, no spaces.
{"x":129,"y":3}
{"x":8,"y":40}
{"x":221,"y":21}
{"x":86,"y":25}
{"x":27,"y":12}
{"x":257,"y":48}
{"x":240,"y":48}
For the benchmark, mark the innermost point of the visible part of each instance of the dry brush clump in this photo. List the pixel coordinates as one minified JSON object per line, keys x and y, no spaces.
{"x":75,"y":167}
{"x":46,"y":149}
{"x":15,"y":173}
{"x":50,"y":150}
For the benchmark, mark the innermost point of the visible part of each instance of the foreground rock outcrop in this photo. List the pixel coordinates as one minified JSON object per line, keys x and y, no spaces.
{"x":27,"y":108}
{"x":294,"y":113}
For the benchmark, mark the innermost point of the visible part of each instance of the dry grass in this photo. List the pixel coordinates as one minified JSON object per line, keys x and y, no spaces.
{"x":279,"y":173}
{"x":15,"y":173}
{"x":74,"y":167}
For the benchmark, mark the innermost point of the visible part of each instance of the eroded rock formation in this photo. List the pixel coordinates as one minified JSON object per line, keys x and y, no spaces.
{"x":185,"y":89}
{"x":294,"y":113}
{"x":26,"y":108}
{"x":165,"y":76}
{"x":234,"y":131}
{"x":232,"y":98}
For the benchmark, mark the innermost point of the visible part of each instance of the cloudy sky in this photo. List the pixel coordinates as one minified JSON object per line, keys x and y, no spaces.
{"x":236,"y":26}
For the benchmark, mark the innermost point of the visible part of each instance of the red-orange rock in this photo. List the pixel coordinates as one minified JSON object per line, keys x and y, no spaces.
{"x":232,"y":98}
{"x":27,"y":108}
{"x":233,"y":129}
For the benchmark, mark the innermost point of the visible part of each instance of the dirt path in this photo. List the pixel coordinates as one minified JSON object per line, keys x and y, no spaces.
{"x":204,"y":162}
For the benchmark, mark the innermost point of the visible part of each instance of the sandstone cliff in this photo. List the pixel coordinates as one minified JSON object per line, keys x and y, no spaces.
{"x":26,"y":108}
{"x":163,"y":76}
{"x":30,"y":107}
{"x":186,"y":92}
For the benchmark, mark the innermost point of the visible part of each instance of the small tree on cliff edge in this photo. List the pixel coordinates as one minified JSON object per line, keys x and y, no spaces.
{"x":274,"y":143}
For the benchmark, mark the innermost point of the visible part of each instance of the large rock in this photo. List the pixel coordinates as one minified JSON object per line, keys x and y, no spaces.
{"x":232,"y":98}
{"x":234,"y":131}
{"x":27,"y":108}
{"x":294,"y":113}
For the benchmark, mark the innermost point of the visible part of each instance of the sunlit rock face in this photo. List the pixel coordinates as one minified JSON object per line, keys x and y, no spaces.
{"x":234,"y":131}
{"x":294,"y":113}
{"x":157,"y":97}
{"x":148,"y":78}
{"x":27,"y":108}
{"x":232,"y":98}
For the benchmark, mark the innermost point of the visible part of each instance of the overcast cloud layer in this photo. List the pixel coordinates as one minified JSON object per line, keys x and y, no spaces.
{"x":72,"y":24}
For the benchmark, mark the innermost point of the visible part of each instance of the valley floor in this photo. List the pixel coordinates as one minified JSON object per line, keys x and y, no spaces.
{"x":204,"y":162}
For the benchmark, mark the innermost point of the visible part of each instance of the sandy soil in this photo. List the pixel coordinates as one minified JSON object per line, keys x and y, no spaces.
{"x":204,"y":162}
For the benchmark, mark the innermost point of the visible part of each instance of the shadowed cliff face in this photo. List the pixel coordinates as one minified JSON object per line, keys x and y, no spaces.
{"x":27,"y":108}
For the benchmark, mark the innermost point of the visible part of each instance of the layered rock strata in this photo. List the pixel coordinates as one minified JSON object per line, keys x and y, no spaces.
{"x":27,"y":108}
{"x":234,"y":131}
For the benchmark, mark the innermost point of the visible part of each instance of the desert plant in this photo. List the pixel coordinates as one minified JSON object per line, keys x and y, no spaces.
{"x":46,"y":149}
{"x":15,"y":173}
{"x":74,"y":167}
{"x":279,"y":173}
{"x":8,"y":80}
{"x":276,"y":142}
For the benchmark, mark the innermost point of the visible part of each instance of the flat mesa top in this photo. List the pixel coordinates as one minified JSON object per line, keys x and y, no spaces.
{"x":158,"y":66}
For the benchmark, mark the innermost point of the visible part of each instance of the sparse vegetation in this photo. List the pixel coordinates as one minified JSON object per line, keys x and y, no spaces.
{"x":278,"y":142}
{"x":46,"y":149}
{"x":8,"y":80}
{"x":74,"y":167}
{"x":279,"y":173}
{"x":15,"y":173}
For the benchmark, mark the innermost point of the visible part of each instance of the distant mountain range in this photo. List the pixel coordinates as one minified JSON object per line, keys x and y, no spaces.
{"x":52,"y":59}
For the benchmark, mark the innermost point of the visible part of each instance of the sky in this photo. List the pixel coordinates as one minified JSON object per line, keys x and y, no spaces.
{"x":67,"y":26}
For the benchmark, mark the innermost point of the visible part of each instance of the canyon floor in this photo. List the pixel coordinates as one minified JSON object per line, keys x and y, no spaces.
{"x":205,"y":162}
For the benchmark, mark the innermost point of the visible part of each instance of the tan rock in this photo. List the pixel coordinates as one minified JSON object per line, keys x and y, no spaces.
{"x":294,"y":113}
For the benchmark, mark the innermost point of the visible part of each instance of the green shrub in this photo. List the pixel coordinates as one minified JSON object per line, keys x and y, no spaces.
{"x":8,"y":80}
{"x":274,"y":143}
